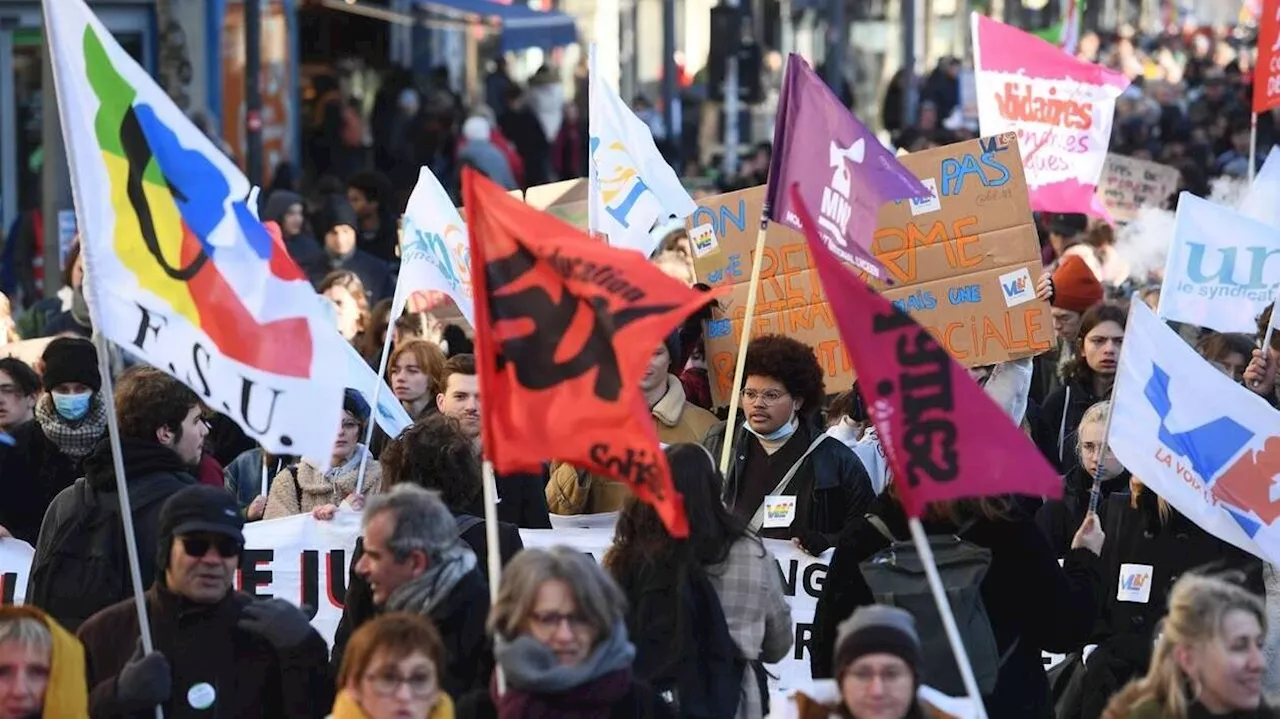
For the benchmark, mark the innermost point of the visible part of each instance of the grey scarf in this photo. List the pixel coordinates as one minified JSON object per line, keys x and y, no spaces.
{"x":531,"y":666}
{"x":424,"y":593}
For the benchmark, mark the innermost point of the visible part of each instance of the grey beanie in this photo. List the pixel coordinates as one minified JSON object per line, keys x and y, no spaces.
{"x":877,"y":629}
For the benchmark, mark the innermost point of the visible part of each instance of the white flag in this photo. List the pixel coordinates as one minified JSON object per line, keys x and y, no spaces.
{"x":179,"y":272}
{"x":434,"y":254}
{"x":1208,"y":446}
{"x":1217,"y":273}
{"x":635,"y":187}
{"x":389,"y":414}
{"x":1260,"y":202}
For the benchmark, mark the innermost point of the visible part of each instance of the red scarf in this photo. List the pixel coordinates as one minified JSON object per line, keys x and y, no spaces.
{"x":593,"y":700}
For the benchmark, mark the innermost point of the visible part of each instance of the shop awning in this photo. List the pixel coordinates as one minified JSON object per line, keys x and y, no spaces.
{"x":522,"y":27}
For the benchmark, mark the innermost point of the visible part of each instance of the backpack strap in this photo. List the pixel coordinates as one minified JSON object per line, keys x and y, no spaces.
{"x":466,"y":522}
{"x":757,"y":520}
{"x":881,"y":527}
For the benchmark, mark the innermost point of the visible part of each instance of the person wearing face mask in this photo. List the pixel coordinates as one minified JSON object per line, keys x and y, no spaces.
{"x":79,"y":562}
{"x":215,"y":651}
{"x":71,"y":413}
{"x":787,"y":478}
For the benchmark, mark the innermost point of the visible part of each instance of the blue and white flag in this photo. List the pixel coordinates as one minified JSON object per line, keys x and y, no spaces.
{"x":434,"y":250}
{"x":1220,"y":272}
{"x":1208,"y":446}
{"x":635,"y":188}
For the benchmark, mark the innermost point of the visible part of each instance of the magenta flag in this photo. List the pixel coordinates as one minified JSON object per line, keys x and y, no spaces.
{"x":839,"y":165}
{"x":944,"y":438}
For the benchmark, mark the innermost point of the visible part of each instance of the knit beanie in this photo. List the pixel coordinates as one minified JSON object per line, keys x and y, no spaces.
{"x":336,"y":211}
{"x":1075,"y":287}
{"x":70,"y":359}
{"x":877,"y":629}
{"x":672,"y":342}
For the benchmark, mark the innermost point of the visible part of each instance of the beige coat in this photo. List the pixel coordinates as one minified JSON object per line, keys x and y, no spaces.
{"x":317,"y":489}
{"x":574,"y":492}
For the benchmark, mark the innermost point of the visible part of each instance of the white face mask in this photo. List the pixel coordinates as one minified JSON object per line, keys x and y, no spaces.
{"x":787,"y":429}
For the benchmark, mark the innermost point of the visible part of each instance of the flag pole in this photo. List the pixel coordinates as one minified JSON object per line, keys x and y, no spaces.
{"x":373,"y":403}
{"x":1253,"y":144}
{"x":122,"y":491}
{"x":1095,"y":492}
{"x":593,"y":188}
{"x":494,"y":556}
{"x":757,"y":262}
{"x":948,"y":619}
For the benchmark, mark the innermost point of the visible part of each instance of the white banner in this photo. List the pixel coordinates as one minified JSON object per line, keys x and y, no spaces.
{"x":15,"y":566}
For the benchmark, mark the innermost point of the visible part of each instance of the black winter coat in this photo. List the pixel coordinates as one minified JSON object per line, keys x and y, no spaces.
{"x":639,"y":703}
{"x":32,"y":473}
{"x":1059,"y":519}
{"x":203,"y":645}
{"x":1126,"y":630}
{"x":1057,"y":420}
{"x":832,"y":488}
{"x":1028,"y":597}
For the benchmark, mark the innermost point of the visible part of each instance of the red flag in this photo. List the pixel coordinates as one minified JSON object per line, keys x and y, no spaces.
{"x":944,"y":438}
{"x":1266,"y":69}
{"x":565,"y":327}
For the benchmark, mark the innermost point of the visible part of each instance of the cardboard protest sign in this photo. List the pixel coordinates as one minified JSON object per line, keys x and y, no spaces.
{"x":964,"y":262}
{"x":1129,"y":184}
{"x":26,"y":350}
{"x":566,"y":200}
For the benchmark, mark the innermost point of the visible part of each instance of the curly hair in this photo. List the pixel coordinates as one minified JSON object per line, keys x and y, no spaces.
{"x":790,"y":362}
{"x":148,"y":399}
{"x":435,"y":453}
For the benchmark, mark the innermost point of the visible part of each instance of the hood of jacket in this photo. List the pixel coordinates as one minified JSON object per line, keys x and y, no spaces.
{"x":152,"y":470}
{"x":278,"y":204}
{"x":67,"y":693}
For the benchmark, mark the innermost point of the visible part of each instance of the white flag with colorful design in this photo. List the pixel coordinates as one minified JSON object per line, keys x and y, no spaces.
{"x":635,"y":188}
{"x":434,"y":250}
{"x":178,"y":269}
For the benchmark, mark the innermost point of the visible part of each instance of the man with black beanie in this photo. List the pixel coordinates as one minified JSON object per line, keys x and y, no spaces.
{"x":338,"y":227}
{"x":216,"y":651}
{"x":877,"y":660}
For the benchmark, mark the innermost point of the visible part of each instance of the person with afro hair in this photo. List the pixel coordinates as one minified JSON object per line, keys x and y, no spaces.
{"x":787,"y":478}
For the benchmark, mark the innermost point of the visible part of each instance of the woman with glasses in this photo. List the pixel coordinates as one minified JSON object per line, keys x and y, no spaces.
{"x":787,"y":479}
{"x":391,"y":671}
{"x":877,"y":654}
{"x":560,"y":638}
{"x":304,"y":488}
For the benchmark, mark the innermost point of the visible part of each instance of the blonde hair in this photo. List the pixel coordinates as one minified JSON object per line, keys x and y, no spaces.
{"x":598,"y":596}
{"x":1136,"y":488}
{"x":8,"y":324}
{"x":1198,"y":605}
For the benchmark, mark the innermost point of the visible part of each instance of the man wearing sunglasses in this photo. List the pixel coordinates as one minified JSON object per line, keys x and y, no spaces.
{"x":216,"y":651}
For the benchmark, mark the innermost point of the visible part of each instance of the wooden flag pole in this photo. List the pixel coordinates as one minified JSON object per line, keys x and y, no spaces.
{"x":1253,"y":144}
{"x":495,"y":557}
{"x":948,"y":619}
{"x":757,"y":261}
{"x":122,"y":491}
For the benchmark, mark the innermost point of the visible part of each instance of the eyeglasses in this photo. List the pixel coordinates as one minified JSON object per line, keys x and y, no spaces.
{"x":768,"y":396}
{"x":889,"y":675}
{"x":198,"y":547}
{"x":388,"y":683}
{"x":551,"y":621}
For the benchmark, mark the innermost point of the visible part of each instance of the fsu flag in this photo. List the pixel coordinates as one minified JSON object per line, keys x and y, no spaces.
{"x":565,"y":327}
{"x":944,"y":438}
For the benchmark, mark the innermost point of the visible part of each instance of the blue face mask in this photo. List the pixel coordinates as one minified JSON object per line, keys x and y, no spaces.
{"x":72,"y":407}
{"x":787,"y":429}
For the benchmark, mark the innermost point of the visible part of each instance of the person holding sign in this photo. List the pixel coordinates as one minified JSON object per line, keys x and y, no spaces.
{"x":788,"y":479}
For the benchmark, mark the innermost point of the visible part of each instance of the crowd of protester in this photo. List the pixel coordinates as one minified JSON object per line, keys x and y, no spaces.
{"x":658,"y":627}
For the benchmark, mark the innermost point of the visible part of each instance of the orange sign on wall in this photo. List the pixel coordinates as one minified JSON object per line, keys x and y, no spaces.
{"x":278,"y":91}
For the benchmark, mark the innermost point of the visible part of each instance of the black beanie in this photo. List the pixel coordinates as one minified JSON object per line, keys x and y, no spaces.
{"x":336,"y":211}
{"x":70,"y":359}
{"x":877,"y":629}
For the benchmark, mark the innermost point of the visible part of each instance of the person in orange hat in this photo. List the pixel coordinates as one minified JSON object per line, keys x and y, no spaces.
{"x":1075,"y":289}
{"x":41,"y":667}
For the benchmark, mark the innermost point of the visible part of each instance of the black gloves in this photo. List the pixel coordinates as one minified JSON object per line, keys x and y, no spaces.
{"x":145,"y":680}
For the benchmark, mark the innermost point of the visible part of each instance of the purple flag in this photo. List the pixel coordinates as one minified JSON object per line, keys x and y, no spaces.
{"x":839,"y":165}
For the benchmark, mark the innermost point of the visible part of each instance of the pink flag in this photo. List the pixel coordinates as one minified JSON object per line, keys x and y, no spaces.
{"x":943,"y":436}
{"x":1061,"y":107}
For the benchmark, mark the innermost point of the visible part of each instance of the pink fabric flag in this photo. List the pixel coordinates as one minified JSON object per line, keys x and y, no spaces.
{"x":1061,"y":108}
{"x":944,"y":438}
